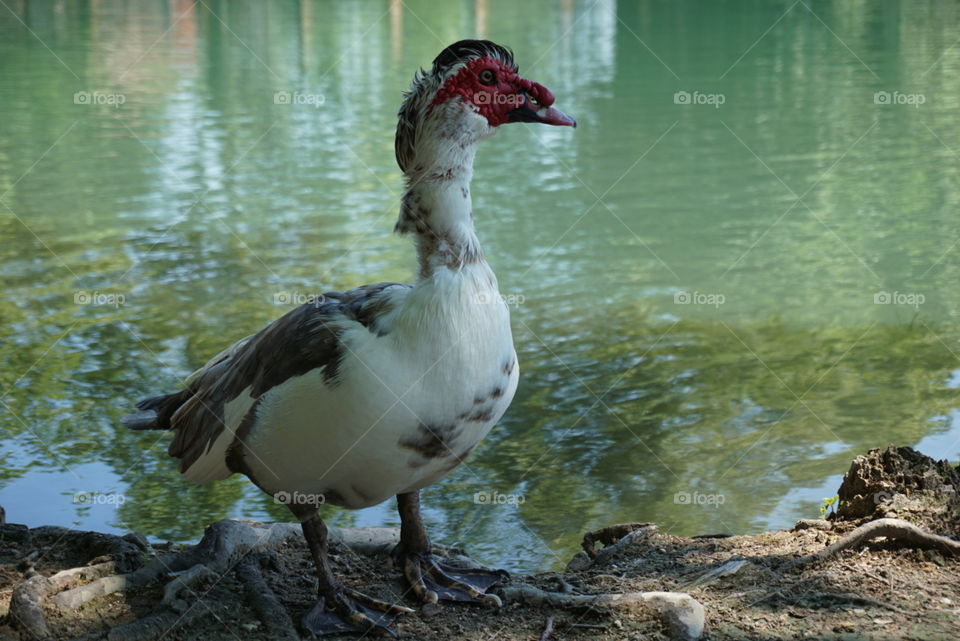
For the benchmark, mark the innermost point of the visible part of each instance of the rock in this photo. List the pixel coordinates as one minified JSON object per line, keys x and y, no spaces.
{"x":579,"y":562}
{"x":683,"y":614}
{"x":812,"y":524}
{"x":899,"y":482}
{"x":16,"y":533}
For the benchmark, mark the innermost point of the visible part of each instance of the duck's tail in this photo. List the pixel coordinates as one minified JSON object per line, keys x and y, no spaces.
{"x":155,"y":413}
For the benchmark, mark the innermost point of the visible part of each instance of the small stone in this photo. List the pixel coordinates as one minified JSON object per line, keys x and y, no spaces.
{"x":812,"y":524}
{"x":579,"y":562}
{"x":429,"y":610}
{"x":684,"y":615}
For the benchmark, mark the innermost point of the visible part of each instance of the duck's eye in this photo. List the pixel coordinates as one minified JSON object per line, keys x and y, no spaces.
{"x":487,"y":77}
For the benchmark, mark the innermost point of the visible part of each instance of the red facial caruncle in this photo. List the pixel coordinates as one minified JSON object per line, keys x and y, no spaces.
{"x":501,"y":95}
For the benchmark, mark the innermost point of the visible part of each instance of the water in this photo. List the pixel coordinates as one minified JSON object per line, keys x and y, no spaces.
{"x":720,"y":297}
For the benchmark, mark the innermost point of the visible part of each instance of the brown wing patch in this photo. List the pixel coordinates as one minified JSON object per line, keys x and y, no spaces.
{"x":306,"y":338}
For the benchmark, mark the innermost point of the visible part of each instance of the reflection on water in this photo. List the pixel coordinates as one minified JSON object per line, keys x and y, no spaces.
{"x":719,"y":303}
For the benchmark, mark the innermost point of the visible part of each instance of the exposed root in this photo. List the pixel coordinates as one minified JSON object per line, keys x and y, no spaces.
{"x":857,"y":598}
{"x":26,"y":607}
{"x":68,"y":578}
{"x":226,"y":546}
{"x":75,"y":597}
{"x":683,"y":615}
{"x":28,"y":599}
{"x":547,"y":630}
{"x":893,"y":529}
{"x":195,"y":576}
{"x":153,"y":627}
{"x":611,"y":535}
{"x":710,"y":576}
{"x":222,"y":544}
{"x":264,"y":602}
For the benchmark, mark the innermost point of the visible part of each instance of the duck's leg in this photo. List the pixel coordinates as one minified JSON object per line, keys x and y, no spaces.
{"x":339,"y":608}
{"x":429,"y":577}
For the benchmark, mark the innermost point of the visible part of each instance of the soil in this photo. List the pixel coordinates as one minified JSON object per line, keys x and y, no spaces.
{"x":885,"y":589}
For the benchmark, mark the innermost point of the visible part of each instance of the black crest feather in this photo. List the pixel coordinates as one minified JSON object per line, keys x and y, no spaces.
{"x":466,"y":50}
{"x":425,"y":84}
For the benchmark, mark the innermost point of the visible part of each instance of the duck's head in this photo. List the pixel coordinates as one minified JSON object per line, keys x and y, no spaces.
{"x":473,"y":88}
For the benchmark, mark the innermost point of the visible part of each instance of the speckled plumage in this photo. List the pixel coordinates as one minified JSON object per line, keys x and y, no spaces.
{"x":370,"y":392}
{"x":380,"y":390}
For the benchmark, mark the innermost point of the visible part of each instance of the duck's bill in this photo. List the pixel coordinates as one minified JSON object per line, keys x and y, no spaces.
{"x":531,"y":112}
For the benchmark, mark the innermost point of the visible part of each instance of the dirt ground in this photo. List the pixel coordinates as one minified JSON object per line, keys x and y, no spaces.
{"x":750,"y":586}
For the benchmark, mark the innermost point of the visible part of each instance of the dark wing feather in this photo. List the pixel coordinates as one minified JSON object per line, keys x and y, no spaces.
{"x":304,"y":339}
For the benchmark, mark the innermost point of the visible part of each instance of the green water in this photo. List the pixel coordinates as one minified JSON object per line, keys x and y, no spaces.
{"x":694,"y":284}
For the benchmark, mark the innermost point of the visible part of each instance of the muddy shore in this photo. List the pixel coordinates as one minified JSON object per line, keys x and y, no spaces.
{"x":884,"y":565}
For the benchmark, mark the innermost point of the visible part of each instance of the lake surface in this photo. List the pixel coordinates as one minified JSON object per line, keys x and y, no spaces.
{"x":739,"y":272}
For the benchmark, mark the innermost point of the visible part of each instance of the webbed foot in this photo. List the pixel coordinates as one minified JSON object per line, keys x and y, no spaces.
{"x":431,"y":580}
{"x":343,"y":610}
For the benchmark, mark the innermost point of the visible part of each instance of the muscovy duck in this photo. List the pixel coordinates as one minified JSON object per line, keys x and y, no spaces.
{"x":378,"y":391}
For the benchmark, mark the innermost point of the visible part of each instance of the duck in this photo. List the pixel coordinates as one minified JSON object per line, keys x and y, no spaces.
{"x":359,"y":396}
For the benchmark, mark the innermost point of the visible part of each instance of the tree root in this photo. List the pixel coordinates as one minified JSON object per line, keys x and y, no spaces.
{"x":547,"y":630}
{"x":264,"y":602}
{"x":222,"y":544}
{"x":893,"y":529}
{"x":186,"y":580}
{"x":227,"y":546}
{"x":611,"y":535}
{"x":616,"y":539}
{"x":26,"y":607}
{"x":152,"y":627}
{"x":683,"y":615}
{"x":714,"y":574}
{"x":28,"y":598}
{"x":857,"y":598}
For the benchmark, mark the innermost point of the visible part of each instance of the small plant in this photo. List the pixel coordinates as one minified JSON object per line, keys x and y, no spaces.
{"x":832,"y":504}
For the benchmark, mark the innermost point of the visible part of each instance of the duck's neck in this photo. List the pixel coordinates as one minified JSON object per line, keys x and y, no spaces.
{"x":437,"y":208}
